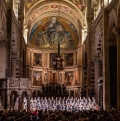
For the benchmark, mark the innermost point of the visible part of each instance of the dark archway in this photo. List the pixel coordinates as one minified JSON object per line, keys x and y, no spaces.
{"x":112,"y":62}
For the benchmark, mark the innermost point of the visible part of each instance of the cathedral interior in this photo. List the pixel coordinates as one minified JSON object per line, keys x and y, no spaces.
{"x":60,"y":48}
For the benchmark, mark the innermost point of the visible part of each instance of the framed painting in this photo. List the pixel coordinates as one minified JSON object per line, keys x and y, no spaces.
{"x":37,"y":59}
{"x":69,"y":59}
{"x":69,"y":79}
{"x":37,"y":78}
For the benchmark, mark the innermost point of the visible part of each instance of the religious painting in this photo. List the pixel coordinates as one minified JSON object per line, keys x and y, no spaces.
{"x":51,"y":30}
{"x":76,"y":77}
{"x":37,"y":61}
{"x":69,"y":79}
{"x":52,"y":58}
{"x":37,"y":78}
{"x":69,"y":59}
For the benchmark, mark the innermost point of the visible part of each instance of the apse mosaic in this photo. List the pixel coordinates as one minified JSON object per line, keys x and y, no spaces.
{"x":69,"y":59}
{"x":51,"y":30}
{"x":37,"y":59}
{"x":37,"y":78}
{"x":69,"y":80}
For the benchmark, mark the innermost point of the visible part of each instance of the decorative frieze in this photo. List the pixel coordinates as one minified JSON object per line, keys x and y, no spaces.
{"x":19,"y":82}
{"x":14,"y":82}
{"x":25,"y":83}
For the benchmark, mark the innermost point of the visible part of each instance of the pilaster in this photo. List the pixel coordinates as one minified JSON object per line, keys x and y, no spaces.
{"x":13,"y":67}
{"x":97,"y":76}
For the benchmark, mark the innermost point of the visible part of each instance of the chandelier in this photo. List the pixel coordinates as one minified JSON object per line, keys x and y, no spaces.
{"x":58,"y":61}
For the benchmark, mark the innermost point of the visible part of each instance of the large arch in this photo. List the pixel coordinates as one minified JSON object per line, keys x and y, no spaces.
{"x":118,"y":15}
{"x":112,"y":21}
{"x":65,"y":9}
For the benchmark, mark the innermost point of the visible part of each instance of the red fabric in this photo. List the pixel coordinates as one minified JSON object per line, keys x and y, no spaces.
{"x":35,"y":113}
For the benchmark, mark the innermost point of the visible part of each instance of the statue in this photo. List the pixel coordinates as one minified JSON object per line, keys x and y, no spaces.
{"x":16,"y":104}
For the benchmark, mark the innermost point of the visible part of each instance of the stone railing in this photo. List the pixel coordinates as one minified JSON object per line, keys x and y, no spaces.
{"x":13,"y":82}
{"x":19,"y":83}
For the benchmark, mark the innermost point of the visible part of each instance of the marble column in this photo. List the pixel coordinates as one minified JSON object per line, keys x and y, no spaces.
{"x":28,"y":103}
{"x":97,"y":76}
{"x":20,"y":105}
{"x":8,"y":94}
{"x":8,"y":99}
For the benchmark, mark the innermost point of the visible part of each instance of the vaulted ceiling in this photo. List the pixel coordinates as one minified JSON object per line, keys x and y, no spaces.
{"x":48,"y":19}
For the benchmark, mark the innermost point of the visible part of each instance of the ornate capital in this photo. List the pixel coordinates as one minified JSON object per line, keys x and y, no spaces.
{"x":97,"y":59}
{"x":112,"y":40}
{"x":1,"y":33}
{"x":89,"y":20}
{"x":3,"y":43}
{"x":116,"y":32}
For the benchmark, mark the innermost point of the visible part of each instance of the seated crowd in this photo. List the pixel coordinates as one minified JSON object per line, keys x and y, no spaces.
{"x":68,"y":104}
{"x":61,"y":109}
